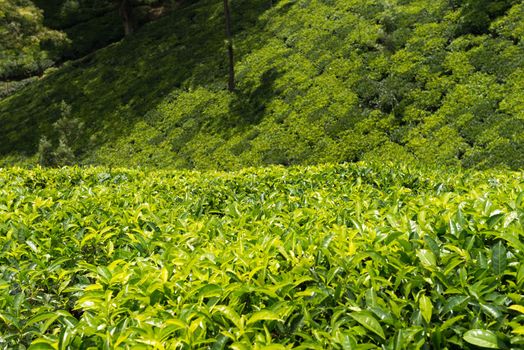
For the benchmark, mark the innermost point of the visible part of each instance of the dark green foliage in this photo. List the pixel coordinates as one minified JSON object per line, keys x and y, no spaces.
{"x":317,"y":81}
{"x":93,"y":24}
{"x":45,"y":153}
{"x":69,"y":134}
{"x":10,"y":87}
{"x":477,"y":15}
{"x":27,"y":47}
{"x":36,"y":35}
{"x":63,"y":154}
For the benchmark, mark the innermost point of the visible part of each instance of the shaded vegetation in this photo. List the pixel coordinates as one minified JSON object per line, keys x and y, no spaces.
{"x":27,"y":47}
{"x":318,"y":81}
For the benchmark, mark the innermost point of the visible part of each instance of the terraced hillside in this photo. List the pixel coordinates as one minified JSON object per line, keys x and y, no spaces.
{"x":437,"y":82}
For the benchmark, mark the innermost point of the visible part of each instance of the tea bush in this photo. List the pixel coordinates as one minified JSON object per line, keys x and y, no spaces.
{"x":318,"y":81}
{"x":357,"y":256}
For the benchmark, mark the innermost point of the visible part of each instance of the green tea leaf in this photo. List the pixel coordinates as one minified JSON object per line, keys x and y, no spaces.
{"x":498,"y":259}
{"x":42,"y":317}
{"x":426,"y":308}
{"x":369,"y":322}
{"x":42,"y":344}
{"x":512,"y":238}
{"x":494,"y":219}
{"x":518,"y":308}
{"x":104,"y":272}
{"x":210,"y":290}
{"x":453,"y":302}
{"x":432,"y":244}
{"x":491,"y":310}
{"x":220,"y":343}
{"x":263,"y":315}
{"x":450,"y":322}
{"x":240,"y":346}
{"x":231,"y":315}
{"x":427,"y":258}
{"x":33,"y":246}
{"x":482,"y":338}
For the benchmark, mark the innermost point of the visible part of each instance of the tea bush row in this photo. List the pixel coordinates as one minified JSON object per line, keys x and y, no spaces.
{"x":354,"y":256}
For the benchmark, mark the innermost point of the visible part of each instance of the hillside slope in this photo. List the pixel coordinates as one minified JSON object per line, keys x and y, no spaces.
{"x":318,"y":81}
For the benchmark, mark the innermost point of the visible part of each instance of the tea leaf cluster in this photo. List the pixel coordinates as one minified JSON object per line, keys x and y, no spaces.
{"x":357,"y":256}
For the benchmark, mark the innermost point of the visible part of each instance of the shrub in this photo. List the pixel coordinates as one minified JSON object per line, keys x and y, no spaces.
{"x":70,"y":132}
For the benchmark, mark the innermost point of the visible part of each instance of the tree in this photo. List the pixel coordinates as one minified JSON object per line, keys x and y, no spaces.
{"x":127,"y":9}
{"x":27,"y":47}
{"x":70,"y":132}
{"x":126,"y":13}
{"x":229,"y":41}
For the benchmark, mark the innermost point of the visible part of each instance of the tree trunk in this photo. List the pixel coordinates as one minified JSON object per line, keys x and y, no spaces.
{"x":125,"y":14}
{"x":229,"y":36}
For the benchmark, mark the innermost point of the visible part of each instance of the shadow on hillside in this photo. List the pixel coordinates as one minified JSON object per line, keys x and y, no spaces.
{"x":115,"y":87}
{"x":249,"y":108}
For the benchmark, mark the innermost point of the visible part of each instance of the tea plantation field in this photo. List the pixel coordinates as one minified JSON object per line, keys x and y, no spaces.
{"x":354,"y":256}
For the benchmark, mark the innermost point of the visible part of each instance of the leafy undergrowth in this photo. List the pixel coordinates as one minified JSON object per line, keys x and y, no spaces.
{"x":345,"y":257}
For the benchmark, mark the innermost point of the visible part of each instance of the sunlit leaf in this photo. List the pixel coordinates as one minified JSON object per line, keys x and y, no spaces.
{"x":426,"y":308}
{"x":369,"y":322}
{"x":427,"y":258}
{"x":482,"y":338}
